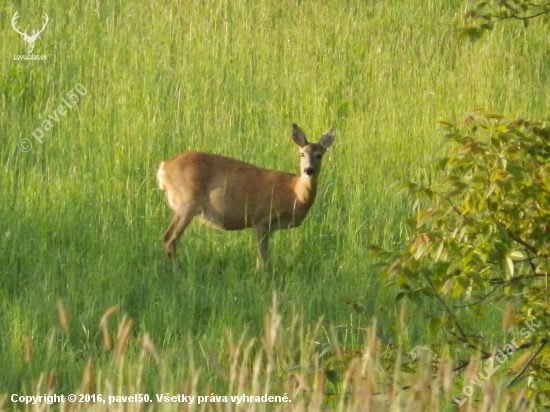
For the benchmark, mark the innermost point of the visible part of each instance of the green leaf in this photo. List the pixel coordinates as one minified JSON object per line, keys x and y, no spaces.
{"x":508,"y":266}
{"x":515,"y":171}
{"x":490,"y":190}
{"x":473,"y":33}
{"x":503,"y":233}
{"x":455,"y":264}
{"x":457,"y":289}
{"x":439,"y":250}
{"x":517,"y":255}
{"x":434,"y":326}
{"x":479,"y":310}
{"x":442,"y":163}
{"x":411,"y":222}
{"x":481,"y":6}
{"x":375,"y":251}
{"x":420,"y":251}
{"x":407,"y":369}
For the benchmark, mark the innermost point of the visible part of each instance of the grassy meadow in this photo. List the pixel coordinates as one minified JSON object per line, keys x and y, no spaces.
{"x":81,"y":214}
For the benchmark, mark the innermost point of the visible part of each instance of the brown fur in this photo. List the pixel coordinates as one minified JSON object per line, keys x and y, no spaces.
{"x":229,"y":194}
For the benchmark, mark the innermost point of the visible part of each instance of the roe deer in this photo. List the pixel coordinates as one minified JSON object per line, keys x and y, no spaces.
{"x":229,"y":194}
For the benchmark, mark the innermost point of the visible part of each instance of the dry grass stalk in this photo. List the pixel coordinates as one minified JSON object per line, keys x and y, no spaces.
{"x":27,"y":353}
{"x":87,"y":378}
{"x":122,"y":338}
{"x":62,"y":317}
{"x":104,"y":325}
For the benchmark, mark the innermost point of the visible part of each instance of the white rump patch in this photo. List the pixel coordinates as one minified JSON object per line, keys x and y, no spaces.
{"x":161,"y":175}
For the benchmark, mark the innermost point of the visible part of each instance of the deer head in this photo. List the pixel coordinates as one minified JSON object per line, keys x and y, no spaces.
{"x":30,"y":40}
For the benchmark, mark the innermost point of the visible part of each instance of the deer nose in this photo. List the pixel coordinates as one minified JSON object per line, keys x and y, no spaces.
{"x":309,"y":171}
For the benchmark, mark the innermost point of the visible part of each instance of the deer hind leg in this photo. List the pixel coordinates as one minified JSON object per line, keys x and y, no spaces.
{"x":179,"y":223}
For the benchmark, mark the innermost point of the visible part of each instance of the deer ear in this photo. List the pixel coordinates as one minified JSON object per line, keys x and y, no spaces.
{"x":298,"y":136}
{"x":327,"y":138}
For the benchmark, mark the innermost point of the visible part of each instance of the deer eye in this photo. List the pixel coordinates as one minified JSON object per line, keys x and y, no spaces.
{"x":302,"y":154}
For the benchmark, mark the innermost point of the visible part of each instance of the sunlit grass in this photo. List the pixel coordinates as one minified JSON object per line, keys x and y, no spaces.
{"x":81,"y":214}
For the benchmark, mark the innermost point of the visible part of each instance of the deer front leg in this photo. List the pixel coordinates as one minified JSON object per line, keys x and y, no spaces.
{"x":262,"y":236}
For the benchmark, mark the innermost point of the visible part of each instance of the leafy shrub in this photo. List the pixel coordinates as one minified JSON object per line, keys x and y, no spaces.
{"x":481,"y":239}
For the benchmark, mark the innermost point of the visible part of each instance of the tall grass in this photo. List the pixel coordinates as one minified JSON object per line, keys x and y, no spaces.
{"x":284,"y":369}
{"x":81,"y":214}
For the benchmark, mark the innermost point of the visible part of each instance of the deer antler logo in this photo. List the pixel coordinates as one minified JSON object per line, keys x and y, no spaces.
{"x":30,"y":40}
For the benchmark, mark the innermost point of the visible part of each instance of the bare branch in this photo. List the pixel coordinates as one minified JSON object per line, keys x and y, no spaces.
{"x":543,"y":343}
{"x":464,"y":337}
{"x":480,"y":300}
{"x":487,"y":355}
{"x":533,"y":16}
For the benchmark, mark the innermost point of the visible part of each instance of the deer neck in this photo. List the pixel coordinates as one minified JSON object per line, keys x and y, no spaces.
{"x":306,"y":190}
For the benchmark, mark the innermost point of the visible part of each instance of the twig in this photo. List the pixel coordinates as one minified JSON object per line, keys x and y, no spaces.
{"x":468,"y":343}
{"x":543,"y":343}
{"x":523,"y":243}
{"x":464,"y":337}
{"x":524,"y":18}
{"x":500,"y":281}
{"x":480,"y":300}
{"x":487,"y":355}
